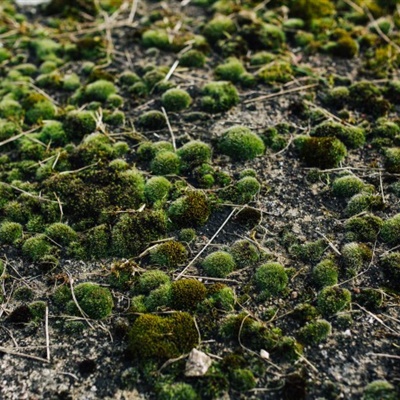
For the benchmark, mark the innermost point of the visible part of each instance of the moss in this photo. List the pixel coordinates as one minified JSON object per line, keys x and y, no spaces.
{"x":193,"y":154}
{"x":176,"y":100}
{"x":276,"y":71}
{"x":390,"y":265}
{"x":116,"y":118}
{"x":177,"y":391}
{"x":242,"y":380}
{"x":46,"y":49}
{"x":315,"y":332}
{"x":11,"y":109}
{"x":243,"y":191}
{"x":156,"y":38}
{"x":128,"y":78}
{"x":222,"y":297}
{"x":137,"y":304}
{"x":23,"y":293}
{"x":231,"y":70}
{"x":165,"y":163}
{"x":309,"y":10}
{"x":152,"y":120}
{"x":53,"y":132}
{"x":186,"y":294}
{"x":337,"y":97}
{"x":385,"y":129}
{"x":218,"y":28}
{"x":187,"y":235}
{"x":95,"y":301}
{"x":147,"y":150}
{"x":162,"y":338}
{"x":333,"y":299}
{"x":192,"y":59}
{"x":61,"y":296}
{"x":77,"y":124}
{"x":363,"y":202}
{"x":390,"y":232}
{"x":133,"y":232}
{"x":240,"y":143}
{"x":244,"y":253}
{"x":37,"y":247}
{"x":305,"y":312}
{"x":379,"y":389}
{"x":157,"y":189}
{"x":369,"y":298}
{"x":99,"y":90}
{"x":353,"y":137}
{"x":61,"y":233}
{"x":121,"y":274}
{"x":320,"y":152}
{"x":364,"y":228}
{"x":38,"y":108}
{"x":325,"y":273}
{"x":159,"y":298}
{"x":270,"y":279}
{"x":151,"y":280}
{"x":190,"y":210}
{"x":310,"y":252}
{"x":10,"y":232}
{"x":392,"y":160}
{"x":344,"y":46}
{"x":169,"y":254}
{"x":347,"y":186}
{"x":261,"y":58}
{"x":8,"y":129}
{"x":218,"y":264}
{"x":365,"y":96}
{"x":38,"y":310}
{"x":219,"y":97}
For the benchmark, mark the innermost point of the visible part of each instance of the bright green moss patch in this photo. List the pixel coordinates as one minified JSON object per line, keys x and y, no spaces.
{"x":218,"y":264}
{"x":333,"y":299}
{"x":348,"y":186}
{"x":10,"y":232}
{"x":241,"y":144}
{"x":315,"y":332}
{"x":364,"y":228}
{"x":244,"y":253}
{"x":161,"y":338}
{"x":95,"y":301}
{"x":219,"y":28}
{"x":363,"y":202}
{"x":231,"y":70}
{"x":176,"y":100}
{"x":165,"y":163}
{"x":354,"y":256}
{"x":325,"y":273}
{"x":61,"y":233}
{"x":380,"y":389}
{"x":270,"y":279}
{"x":390,"y":231}
{"x":157,"y":189}
{"x":392,"y":160}
{"x":178,"y":391}
{"x":219,"y":97}
{"x":193,"y":154}
{"x":37,"y":247}
{"x":192,"y":59}
{"x":275,"y":72}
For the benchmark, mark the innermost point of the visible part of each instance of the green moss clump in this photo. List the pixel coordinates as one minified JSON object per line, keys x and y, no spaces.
{"x":133,"y":232}
{"x":95,"y":301}
{"x":353,"y":137}
{"x":390,"y":232}
{"x":156,"y":38}
{"x":177,"y":391}
{"x":310,"y":252}
{"x":187,"y":235}
{"x":270,"y":279}
{"x":231,"y":70}
{"x":192,"y":59}
{"x":337,"y":97}
{"x":354,"y":255}
{"x":38,"y":108}
{"x":325,"y":273}
{"x":240,"y":143}
{"x":242,"y":380}
{"x":162,"y":338}
{"x":190,"y":210}
{"x":159,"y":298}
{"x":165,"y":163}
{"x":169,"y":254}
{"x":364,"y":228}
{"x":193,"y":154}
{"x":219,"y":97}
{"x":219,"y":28}
{"x":276,"y":71}
{"x":315,"y":332}
{"x":61,"y":233}
{"x":46,"y":49}
{"x":157,"y":189}
{"x":77,"y":124}
{"x":244,"y":253}
{"x":176,"y":100}
{"x":309,"y":10}
{"x":152,"y":120}
{"x":186,"y":294}
{"x":10,"y":232}
{"x":151,"y":280}
{"x":222,"y":297}
{"x":347,"y":186}
{"x":99,"y":90}
{"x":344,"y":45}
{"x":37,"y":247}
{"x":320,"y":152}
{"x":390,"y":265}
{"x":11,"y":109}
{"x":38,"y":310}
{"x":379,"y":390}
{"x":392,"y":160}
{"x":53,"y":132}
{"x":218,"y":264}
{"x":363,"y":202}
{"x":333,"y":299}
{"x":8,"y":129}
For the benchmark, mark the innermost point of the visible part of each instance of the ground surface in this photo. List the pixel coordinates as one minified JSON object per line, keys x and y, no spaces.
{"x":49,"y":357}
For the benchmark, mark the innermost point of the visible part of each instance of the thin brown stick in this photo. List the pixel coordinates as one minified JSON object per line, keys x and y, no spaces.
{"x":281,"y":93}
{"x":169,"y":128}
{"x":15,"y":353}
{"x":47,"y":334}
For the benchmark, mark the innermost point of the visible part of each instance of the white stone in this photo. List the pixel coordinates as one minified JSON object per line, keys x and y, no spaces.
{"x":264,"y":354}
{"x":197,"y":363}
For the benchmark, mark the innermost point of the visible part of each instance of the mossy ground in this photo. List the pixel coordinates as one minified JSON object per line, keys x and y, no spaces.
{"x":80,"y":199}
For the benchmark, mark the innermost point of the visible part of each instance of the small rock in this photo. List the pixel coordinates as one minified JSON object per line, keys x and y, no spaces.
{"x":264,"y":354}
{"x":294,"y":295}
{"x":197,"y":363}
